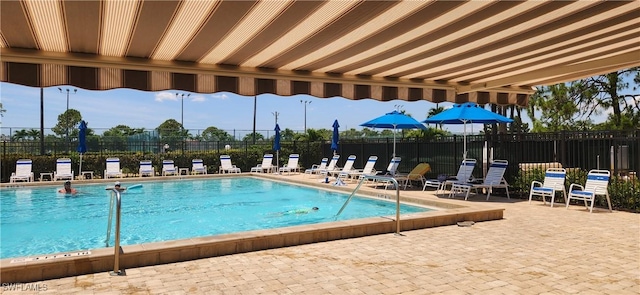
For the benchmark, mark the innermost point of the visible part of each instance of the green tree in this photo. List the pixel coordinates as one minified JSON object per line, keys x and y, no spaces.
{"x":2,"y":110}
{"x":434,"y":111}
{"x":20,"y":135}
{"x":387,"y":133}
{"x":67,"y":122}
{"x":553,"y":108}
{"x":367,"y":132}
{"x":351,"y":133}
{"x":171,"y":129}
{"x":287,"y":134}
{"x":322,"y":134}
{"x":123,"y":130}
{"x":215,"y":134}
{"x":33,"y":134}
{"x":601,"y":93}
{"x":249,"y":137}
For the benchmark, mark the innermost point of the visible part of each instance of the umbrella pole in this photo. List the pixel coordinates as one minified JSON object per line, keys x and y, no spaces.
{"x":80,"y":169}
{"x":464,"y":138}
{"x":394,"y":141}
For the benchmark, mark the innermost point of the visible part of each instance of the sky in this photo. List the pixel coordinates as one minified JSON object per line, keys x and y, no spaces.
{"x":141,"y":109}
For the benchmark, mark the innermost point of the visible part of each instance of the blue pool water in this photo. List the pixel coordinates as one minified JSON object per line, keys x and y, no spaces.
{"x":41,"y":221}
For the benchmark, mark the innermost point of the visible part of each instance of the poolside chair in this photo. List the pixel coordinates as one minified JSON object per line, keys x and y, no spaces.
{"x":494,"y":179}
{"x":553,"y":183}
{"x":464,"y":175}
{"x":266,"y":166}
{"x":169,"y":168}
{"x":63,"y":169}
{"x":23,"y":171}
{"x":597,"y":185}
{"x":113,"y":168}
{"x":417,"y":174}
{"x":146,"y":168}
{"x":392,"y":170}
{"x":316,"y":167}
{"x":292,"y":164}
{"x":367,"y":170}
{"x":331,"y":167}
{"x":226,"y":166}
{"x":198,"y":167}
{"x":348,"y":166}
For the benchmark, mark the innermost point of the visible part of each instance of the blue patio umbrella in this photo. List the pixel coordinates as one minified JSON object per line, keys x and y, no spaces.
{"x":82,"y":140}
{"x":276,"y":145}
{"x":394,"y":120}
{"x":464,"y":113}
{"x":336,"y":137}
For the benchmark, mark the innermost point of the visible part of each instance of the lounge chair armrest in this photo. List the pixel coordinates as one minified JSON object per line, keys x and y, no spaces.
{"x":576,"y":185}
{"x":535,"y":183}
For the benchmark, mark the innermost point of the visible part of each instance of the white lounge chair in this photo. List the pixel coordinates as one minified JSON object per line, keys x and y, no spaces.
{"x":348,"y":167}
{"x":315,"y":168}
{"x":369,"y":169}
{"x":392,"y":170}
{"x":226,"y":166}
{"x":23,"y":171}
{"x":198,"y":167}
{"x":113,"y":168}
{"x":494,"y":179}
{"x":331,"y":167}
{"x":146,"y":168}
{"x":169,"y":168}
{"x":553,"y":183}
{"x":266,"y":166}
{"x":597,"y":185}
{"x":63,"y":169}
{"x":292,"y":164}
{"x":464,"y":174}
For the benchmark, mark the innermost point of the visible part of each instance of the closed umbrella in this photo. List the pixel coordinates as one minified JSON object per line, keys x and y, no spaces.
{"x":394,"y":120}
{"x":276,"y":145}
{"x":82,"y":141}
{"x":336,"y":137}
{"x":464,"y":113}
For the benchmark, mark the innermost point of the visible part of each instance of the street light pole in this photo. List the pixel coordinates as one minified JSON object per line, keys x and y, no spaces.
{"x":305,"y":102}
{"x":67,"y":112}
{"x":276,"y":114}
{"x":182,"y":107}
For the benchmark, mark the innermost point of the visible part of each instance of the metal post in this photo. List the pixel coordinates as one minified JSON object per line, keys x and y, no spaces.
{"x":255,"y":108}
{"x":305,"y":102}
{"x":41,"y":121}
{"x":67,"y":114}
{"x":116,"y":263}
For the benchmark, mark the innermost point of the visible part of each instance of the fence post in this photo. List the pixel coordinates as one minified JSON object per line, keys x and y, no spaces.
{"x":637,"y":154}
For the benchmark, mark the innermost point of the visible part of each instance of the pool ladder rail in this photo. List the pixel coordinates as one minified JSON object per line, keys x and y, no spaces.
{"x":116,"y":200}
{"x":379,"y":178}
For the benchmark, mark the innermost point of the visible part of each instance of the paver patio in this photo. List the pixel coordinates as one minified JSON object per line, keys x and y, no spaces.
{"x":535,"y":249}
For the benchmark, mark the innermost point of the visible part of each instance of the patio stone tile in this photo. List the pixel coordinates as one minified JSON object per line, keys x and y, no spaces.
{"x":534,"y":249}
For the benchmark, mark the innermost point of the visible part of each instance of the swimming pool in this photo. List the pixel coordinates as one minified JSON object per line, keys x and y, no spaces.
{"x":39,"y":220}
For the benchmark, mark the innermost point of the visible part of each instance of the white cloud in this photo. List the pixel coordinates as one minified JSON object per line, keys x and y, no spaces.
{"x":219,"y":96}
{"x":162,"y":96}
{"x":198,"y":98}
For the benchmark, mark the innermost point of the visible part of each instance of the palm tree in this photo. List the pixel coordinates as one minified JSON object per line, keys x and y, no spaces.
{"x":434,"y":111}
{"x":2,"y":110}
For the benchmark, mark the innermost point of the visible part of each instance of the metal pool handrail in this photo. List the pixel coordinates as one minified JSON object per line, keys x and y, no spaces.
{"x":115,"y":193}
{"x":376,"y":177}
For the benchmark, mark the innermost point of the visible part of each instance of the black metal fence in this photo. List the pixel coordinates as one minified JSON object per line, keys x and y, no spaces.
{"x":616,"y":151}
